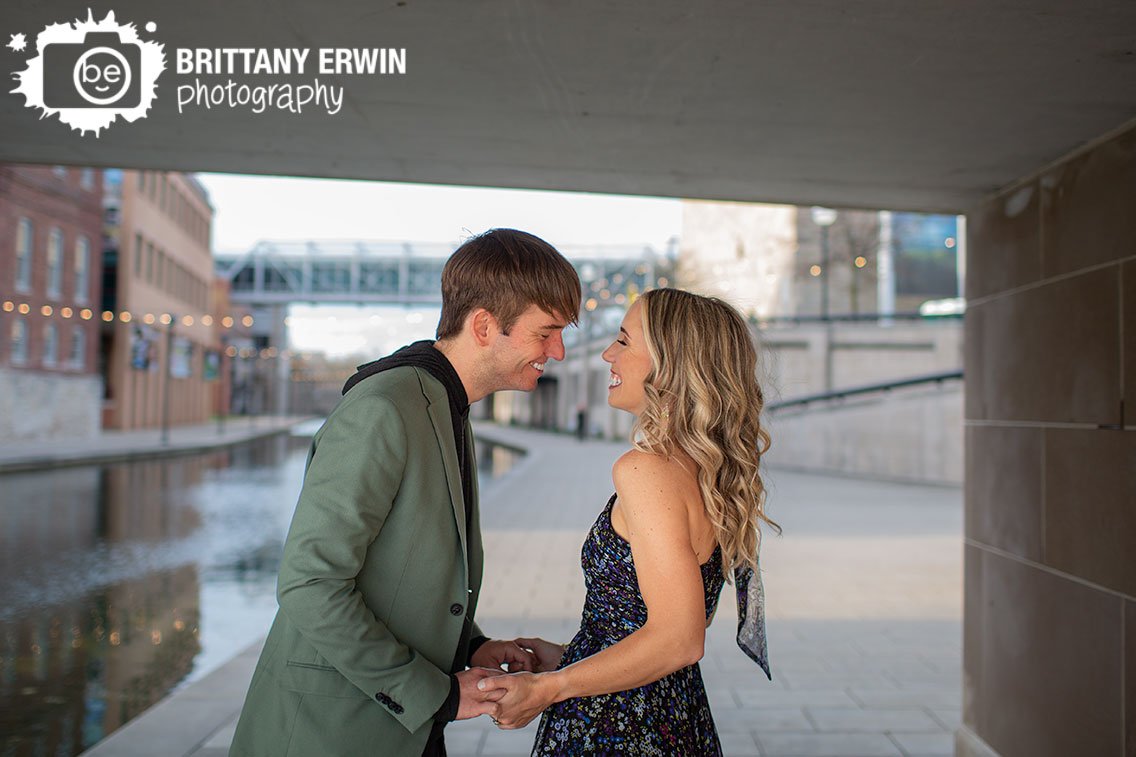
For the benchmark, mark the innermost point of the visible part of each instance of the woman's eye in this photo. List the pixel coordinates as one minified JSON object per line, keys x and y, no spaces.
{"x":620,"y":341}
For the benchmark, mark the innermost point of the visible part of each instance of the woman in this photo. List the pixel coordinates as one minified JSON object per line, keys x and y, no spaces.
{"x":687,"y":509}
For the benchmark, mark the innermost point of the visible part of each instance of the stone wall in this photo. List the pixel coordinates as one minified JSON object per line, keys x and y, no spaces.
{"x":1049,"y":647}
{"x":35,"y":406}
{"x":913,"y":434}
{"x":793,"y":356}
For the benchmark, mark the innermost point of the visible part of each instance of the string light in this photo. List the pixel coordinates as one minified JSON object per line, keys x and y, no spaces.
{"x":861,"y":261}
{"x":109,"y":316}
{"x":125,"y":316}
{"x":814,"y":270}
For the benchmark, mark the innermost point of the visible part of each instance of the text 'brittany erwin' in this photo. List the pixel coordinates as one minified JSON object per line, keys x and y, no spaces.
{"x":207,"y":61}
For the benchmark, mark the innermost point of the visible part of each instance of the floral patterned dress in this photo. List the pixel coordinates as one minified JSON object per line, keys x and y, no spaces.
{"x":666,"y":718}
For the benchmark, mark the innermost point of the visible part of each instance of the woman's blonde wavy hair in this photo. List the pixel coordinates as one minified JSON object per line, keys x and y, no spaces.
{"x":703,"y":397}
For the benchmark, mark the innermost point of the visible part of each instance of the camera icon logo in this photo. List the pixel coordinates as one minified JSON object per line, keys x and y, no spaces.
{"x":91,"y":73}
{"x":95,"y":73}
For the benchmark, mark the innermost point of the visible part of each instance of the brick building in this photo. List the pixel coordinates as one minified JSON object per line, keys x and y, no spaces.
{"x":50,"y":278}
{"x":160,"y":299}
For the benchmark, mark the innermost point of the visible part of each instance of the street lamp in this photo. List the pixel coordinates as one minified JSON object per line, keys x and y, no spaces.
{"x":823,"y":217}
{"x":166,"y":376}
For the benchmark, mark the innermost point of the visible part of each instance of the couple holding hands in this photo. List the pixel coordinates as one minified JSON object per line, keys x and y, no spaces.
{"x":375,"y":647}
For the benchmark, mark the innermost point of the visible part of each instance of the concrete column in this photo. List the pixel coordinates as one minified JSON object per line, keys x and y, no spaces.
{"x":1049,"y":642}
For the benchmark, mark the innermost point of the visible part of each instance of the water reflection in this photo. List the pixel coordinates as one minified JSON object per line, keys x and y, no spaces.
{"x":120,"y":582}
{"x":113,"y":577}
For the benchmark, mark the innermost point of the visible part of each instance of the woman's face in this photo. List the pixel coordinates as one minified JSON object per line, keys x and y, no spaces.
{"x":630,"y":363}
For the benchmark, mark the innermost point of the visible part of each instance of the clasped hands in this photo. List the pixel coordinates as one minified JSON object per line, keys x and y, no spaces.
{"x":512,"y":699}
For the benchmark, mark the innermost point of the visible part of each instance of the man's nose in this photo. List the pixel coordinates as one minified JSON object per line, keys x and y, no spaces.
{"x":556,"y":347}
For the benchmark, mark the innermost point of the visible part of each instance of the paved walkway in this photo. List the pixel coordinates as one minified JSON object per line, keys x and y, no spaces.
{"x":117,"y":446}
{"x":864,"y":610}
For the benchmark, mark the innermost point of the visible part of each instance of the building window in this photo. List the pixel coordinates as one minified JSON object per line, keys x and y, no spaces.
{"x":78,"y":356}
{"x":87,"y":178}
{"x":60,"y":171}
{"x":150,"y":262}
{"x":54,"y":263}
{"x":50,"y":344}
{"x":138,"y":255}
{"x":82,"y":268}
{"x":24,"y":255}
{"x":19,"y":342}
{"x":141,"y":181}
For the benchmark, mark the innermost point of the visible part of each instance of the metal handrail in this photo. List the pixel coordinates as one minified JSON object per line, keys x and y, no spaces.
{"x":931,"y":378}
{"x":854,"y":318}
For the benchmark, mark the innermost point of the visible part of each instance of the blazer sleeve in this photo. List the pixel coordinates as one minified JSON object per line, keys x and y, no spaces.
{"x":349,"y":487}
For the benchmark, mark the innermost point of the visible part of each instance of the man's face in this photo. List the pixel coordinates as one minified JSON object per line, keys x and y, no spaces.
{"x":519,"y":357}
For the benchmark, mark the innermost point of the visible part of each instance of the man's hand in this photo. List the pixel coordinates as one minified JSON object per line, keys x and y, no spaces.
{"x":497,"y":654}
{"x":474,"y":701}
{"x":526,"y":696}
{"x":548,"y":654}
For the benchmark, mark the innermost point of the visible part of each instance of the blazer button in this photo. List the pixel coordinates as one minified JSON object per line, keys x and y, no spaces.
{"x":455,"y":609}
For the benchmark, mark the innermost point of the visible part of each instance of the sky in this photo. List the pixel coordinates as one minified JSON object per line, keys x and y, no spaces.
{"x":251,"y":208}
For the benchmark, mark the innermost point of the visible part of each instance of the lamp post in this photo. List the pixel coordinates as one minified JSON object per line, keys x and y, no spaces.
{"x":222,"y":387}
{"x":166,"y":380}
{"x":825,"y":217}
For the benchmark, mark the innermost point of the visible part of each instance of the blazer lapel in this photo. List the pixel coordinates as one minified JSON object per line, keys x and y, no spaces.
{"x":439,"y":410}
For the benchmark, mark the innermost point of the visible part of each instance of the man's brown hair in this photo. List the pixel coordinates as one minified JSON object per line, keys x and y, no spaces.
{"x":505,"y":271}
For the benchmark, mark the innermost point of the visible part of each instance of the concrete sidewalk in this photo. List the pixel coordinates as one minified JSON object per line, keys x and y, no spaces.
{"x":864,"y":596}
{"x":118,"y":446}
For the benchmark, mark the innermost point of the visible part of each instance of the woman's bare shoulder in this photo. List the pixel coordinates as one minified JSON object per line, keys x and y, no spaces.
{"x":637,"y":471}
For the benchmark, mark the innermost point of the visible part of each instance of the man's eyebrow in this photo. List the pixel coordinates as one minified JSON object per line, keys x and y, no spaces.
{"x":553,"y":326}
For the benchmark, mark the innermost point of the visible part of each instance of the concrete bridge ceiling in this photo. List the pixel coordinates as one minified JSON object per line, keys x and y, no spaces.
{"x":924,"y":105}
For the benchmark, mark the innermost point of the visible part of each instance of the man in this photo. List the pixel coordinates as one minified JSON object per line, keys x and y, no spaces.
{"x":381,"y":570}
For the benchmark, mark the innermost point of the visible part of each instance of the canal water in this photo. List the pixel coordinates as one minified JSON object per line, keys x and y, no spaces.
{"x":120,"y":583}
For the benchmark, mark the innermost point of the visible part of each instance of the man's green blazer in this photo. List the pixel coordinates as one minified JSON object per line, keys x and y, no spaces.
{"x":375,"y":581}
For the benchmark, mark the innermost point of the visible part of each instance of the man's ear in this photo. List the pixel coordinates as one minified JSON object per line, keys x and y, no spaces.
{"x":483,"y":326}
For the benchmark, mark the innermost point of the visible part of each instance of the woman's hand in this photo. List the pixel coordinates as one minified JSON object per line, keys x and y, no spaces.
{"x":526,"y":696}
{"x":496,"y":653}
{"x":547,"y":653}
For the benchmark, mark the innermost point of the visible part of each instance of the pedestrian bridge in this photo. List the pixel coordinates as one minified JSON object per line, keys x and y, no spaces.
{"x":408,"y":273}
